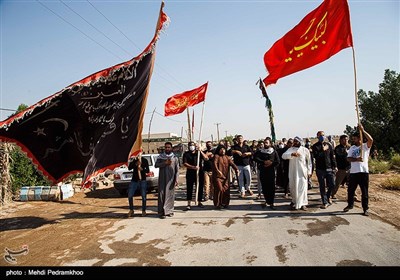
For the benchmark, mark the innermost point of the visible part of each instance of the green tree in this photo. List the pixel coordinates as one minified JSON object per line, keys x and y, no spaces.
{"x":380,"y":113}
{"x":22,"y":171}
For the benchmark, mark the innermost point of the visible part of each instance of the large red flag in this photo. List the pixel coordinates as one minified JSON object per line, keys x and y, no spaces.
{"x":179,"y":102}
{"x":321,"y":34}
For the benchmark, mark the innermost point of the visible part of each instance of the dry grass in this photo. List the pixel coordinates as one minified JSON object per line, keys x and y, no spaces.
{"x":378,"y":166}
{"x":391,"y":183}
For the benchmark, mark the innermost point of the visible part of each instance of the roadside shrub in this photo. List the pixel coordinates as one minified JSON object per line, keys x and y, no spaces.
{"x":378,"y":166}
{"x":391,"y":183}
{"x":395,"y":161}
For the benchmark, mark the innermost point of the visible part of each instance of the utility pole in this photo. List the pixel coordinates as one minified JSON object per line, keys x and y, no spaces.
{"x":217,"y":124}
{"x":226,"y":134}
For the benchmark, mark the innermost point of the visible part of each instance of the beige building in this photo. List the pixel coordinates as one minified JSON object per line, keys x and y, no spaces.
{"x":154,"y":143}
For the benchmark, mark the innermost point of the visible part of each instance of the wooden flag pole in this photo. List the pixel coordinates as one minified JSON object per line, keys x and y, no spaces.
{"x":148,"y":136}
{"x":357,"y":108}
{"x":199,"y":152}
{"x":189,"y":130}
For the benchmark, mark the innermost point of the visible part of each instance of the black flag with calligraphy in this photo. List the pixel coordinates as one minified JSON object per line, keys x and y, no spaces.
{"x":90,"y":126}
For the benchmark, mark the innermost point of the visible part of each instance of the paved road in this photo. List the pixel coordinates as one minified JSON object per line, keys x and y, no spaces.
{"x":245,"y":234}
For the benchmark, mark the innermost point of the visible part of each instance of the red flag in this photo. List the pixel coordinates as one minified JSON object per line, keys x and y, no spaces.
{"x":322,"y":33}
{"x":179,"y":102}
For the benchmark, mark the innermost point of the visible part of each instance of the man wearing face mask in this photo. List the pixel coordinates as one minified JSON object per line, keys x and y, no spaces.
{"x":282,"y":173}
{"x":194,"y":171}
{"x":308,"y":146}
{"x":268,"y":159}
{"x":325,"y":166}
{"x":208,"y":183}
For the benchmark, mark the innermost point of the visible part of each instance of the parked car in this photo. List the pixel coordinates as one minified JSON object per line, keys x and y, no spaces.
{"x":123,"y":176}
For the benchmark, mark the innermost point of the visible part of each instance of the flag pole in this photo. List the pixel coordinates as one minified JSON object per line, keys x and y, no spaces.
{"x":148,"y":136}
{"x":193,"y":124}
{"x":356,"y":96}
{"x":198,"y":154}
{"x":189,"y":130}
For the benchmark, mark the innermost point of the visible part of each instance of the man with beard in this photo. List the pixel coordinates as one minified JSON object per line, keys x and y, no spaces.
{"x":299,"y":171}
{"x":268,"y":159}
{"x":220,"y":177}
{"x":359,"y":173}
{"x":167,"y":180}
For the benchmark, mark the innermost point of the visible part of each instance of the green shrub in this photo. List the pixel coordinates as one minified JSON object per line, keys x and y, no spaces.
{"x":395,"y":161}
{"x":378,"y":166}
{"x":392,"y":183}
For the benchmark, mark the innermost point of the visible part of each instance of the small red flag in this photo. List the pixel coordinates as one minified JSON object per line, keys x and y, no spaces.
{"x":321,"y":34}
{"x":179,"y":102}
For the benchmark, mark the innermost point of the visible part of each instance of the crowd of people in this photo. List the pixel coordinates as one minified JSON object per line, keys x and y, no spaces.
{"x":288,"y":164}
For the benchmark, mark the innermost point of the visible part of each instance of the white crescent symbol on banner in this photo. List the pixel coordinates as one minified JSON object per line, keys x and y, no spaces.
{"x":64,"y":122}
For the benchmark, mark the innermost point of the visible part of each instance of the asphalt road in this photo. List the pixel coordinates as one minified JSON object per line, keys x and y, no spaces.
{"x":247,"y":235}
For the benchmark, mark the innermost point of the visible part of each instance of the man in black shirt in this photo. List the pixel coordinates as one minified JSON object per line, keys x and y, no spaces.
{"x":140,"y":167}
{"x":343,"y":164}
{"x":241,"y":157}
{"x":207,"y":168}
{"x":325,"y":166}
{"x":193,"y":170}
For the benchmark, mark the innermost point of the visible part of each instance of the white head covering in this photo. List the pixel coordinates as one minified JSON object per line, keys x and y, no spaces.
{"x":297,"y":138}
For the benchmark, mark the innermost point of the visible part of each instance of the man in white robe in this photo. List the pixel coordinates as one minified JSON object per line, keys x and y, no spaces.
{"x":300,"y":169}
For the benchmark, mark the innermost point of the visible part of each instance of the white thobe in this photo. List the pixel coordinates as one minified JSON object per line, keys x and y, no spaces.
{"x":299,"y":169}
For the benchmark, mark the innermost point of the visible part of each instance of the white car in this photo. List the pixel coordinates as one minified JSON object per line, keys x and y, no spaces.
{"x":123,"y":176}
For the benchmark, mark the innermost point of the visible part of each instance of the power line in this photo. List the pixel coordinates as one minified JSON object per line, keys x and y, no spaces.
{"x":113,"y":25}
{"x":166,"y":117}
{"x":79,"y":30}
{"x":159,"y":66}
{"x":5,"y":109}
{"x":101,"y":32}
{"x":66,"y":21}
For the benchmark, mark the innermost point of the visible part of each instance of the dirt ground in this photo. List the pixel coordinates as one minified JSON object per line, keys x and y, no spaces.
{"x":57,"y":232}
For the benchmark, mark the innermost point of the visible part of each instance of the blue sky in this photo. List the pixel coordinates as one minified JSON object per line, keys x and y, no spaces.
{"x":222,"y":42}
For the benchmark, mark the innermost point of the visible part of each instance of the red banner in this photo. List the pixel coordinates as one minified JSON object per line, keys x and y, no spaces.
{"x":321,"y":34}
{"x":179,"y":102}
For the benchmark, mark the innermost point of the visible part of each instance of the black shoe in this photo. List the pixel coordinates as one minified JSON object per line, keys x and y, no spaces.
{"x":200,"y":205}
{"x":366,"y":213}
{"x":347,"y":208}
{"x":163,"y":217}
{"x":272,"y":207}
{"x":170,"y":215}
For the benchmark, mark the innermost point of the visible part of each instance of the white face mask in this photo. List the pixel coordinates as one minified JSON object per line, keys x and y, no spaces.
{"x":281,"y":146}
{"x":191,"y":148}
